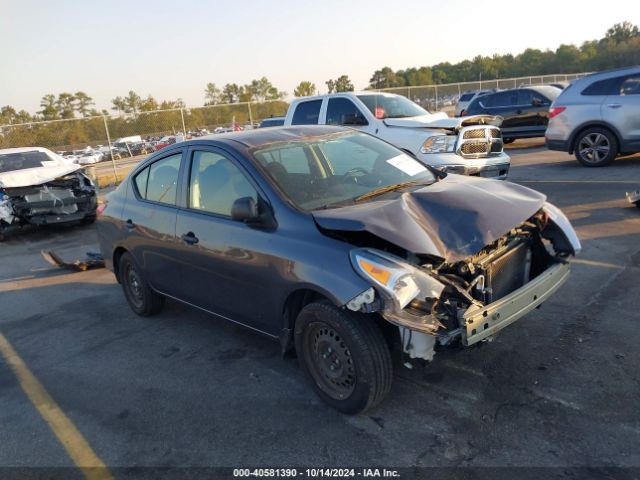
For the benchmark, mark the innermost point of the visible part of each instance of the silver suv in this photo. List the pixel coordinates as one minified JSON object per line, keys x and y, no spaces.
{"x":597,"y":117}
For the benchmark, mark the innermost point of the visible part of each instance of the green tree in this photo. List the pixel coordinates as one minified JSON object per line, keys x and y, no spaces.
{"x":65,"y":104}
{"x":82,"y":103}
{"x":119,"y":104}
{"x":260,"y":91}
{"x":231,"y":93}
{"x":211,"y":94}
{"x":148,"y":104}
{"x":305,"y":89}
{"x":340,"y":84}
{"x":386,"y":78}
{"x":49,"y":110}
{"x":132,"y":102}
{"x":622,"y":32}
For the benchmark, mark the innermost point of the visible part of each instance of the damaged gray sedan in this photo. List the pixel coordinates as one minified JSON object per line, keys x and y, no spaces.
{"x":338,"y":245}
{"x":39,"y":187}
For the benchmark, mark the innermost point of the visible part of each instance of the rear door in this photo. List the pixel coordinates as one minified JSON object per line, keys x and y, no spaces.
{"x":150,"y":220}
{"x":622,"y":110}
{"x":307,"y":112}
{"x":503,"y":104}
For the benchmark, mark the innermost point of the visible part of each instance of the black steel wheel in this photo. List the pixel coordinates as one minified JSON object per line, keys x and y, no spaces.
{"x":344,"y":355}
{"x":141,"y":298}
{"x":596,"y":147}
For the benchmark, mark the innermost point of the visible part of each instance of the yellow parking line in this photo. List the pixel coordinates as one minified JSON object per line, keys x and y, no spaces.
{"x":77,"y":447}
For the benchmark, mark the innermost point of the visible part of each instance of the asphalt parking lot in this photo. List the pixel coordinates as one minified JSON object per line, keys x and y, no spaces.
{"x":559,"y":388}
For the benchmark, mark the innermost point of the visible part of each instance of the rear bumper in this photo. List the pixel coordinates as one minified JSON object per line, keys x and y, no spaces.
{"x":559,"y":145}
{"x":481,"y":323}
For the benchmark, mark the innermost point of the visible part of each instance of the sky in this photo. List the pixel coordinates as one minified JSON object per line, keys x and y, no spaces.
{"x":172,"y":49}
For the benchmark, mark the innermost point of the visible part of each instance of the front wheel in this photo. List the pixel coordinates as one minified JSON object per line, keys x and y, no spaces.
{"x":596,"y":147}
{"x":139,"y":294}
{"x":344,"y":355}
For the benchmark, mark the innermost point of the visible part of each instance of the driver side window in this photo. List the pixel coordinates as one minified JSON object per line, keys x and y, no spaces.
{"x":342,"y":111}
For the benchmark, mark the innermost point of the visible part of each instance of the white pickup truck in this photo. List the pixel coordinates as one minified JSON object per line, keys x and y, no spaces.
{"x":467,"y":145}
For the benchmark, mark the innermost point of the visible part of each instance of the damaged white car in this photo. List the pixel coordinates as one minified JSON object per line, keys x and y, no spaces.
{"x":39,"y":187}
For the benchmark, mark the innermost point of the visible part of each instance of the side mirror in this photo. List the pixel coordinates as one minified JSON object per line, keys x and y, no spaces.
{"x":244,"y":210}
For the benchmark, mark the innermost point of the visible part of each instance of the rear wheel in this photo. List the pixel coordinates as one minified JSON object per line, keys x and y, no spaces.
{"x":596,"y":147}
{"x":344,"y":355}
{"x":507,"y":140}
{"x":141,"y":298}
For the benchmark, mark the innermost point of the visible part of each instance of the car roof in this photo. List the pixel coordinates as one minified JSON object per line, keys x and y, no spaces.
{"x":24,"y":149}
{"x":259,"y":137}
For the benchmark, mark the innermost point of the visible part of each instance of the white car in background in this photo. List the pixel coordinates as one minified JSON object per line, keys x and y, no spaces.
{"x":89,"y":157}
{"x":467,"y":97}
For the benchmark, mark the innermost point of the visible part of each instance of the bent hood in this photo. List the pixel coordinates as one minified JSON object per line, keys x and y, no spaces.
{"x":441,"y":120}
{"x":35,"y":176}
{"x":453,"y":219}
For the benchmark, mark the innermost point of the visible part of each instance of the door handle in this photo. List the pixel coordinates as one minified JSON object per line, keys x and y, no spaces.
{"x":189,"y":238}
{"x":614,"y":105}
{"x":129,"y":223}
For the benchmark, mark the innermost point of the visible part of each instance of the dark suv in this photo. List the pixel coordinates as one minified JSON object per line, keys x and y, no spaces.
{"x":336,"y":244}
{"x":524,"y":110}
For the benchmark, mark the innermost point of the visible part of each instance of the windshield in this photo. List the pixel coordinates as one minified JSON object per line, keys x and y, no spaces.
{"x":334,"y":170}
{"x":10,"y":162}
{"x":392,"y":106}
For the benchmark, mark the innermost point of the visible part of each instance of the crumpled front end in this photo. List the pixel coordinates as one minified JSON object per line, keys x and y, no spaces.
{"x":468,"y":300}
{"x":69,"y":198}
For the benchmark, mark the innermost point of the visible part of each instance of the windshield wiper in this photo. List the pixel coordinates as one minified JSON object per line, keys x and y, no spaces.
{"x":390,"y":188}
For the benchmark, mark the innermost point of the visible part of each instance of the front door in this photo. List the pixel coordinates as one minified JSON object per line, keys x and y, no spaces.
{"x":226,"y":267}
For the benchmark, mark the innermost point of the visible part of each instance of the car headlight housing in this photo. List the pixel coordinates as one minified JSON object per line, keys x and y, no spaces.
{"x":398,"y":282}
{"x":439,"y":144}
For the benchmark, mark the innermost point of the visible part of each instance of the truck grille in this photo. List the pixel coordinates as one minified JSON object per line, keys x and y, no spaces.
{"x":477,"y":142}
{"x":509,"y":271}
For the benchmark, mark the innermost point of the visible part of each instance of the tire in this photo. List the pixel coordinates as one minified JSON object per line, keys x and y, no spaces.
{"x":140,"y":297}
{"x":596,"y":147}
{"x":89,"y":219}
{"x":508,"y":140}
{"x":344,"y":355}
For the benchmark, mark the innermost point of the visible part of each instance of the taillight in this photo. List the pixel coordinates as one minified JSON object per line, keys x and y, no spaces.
{"x":556,"y":111}
{"x":463,"y":113}
{"x":101,"y":208}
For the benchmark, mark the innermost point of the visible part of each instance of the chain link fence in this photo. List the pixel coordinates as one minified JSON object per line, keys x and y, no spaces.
{"x":139,"y":133}
{"x":445,"y":96}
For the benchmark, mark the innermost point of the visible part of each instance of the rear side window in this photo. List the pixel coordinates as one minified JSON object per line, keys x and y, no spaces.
{"x":307,"y":113}
{"x":157,"y":182}
{"x":466,"y":97}
{"x":631,"y":86}
{"x":502,"y":99}
{"x":610,"y":86}
{"x":342,"y":111}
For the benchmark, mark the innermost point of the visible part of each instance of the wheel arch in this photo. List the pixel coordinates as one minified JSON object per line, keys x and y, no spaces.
{"x":295,"y":301}
{"x":117,"y":254}
{"x":585,"y":126}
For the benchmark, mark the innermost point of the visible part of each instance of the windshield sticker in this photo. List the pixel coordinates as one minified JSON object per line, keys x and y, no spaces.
{"x":407,"y":165}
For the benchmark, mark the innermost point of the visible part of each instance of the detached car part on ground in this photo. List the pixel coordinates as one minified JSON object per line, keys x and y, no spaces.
{"x":37,"y":187}
{"x":335,"y":243}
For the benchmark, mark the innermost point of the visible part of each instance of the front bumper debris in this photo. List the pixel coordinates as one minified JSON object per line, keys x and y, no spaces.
{"x":499,"y":171}
{"x":482,"y":322}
